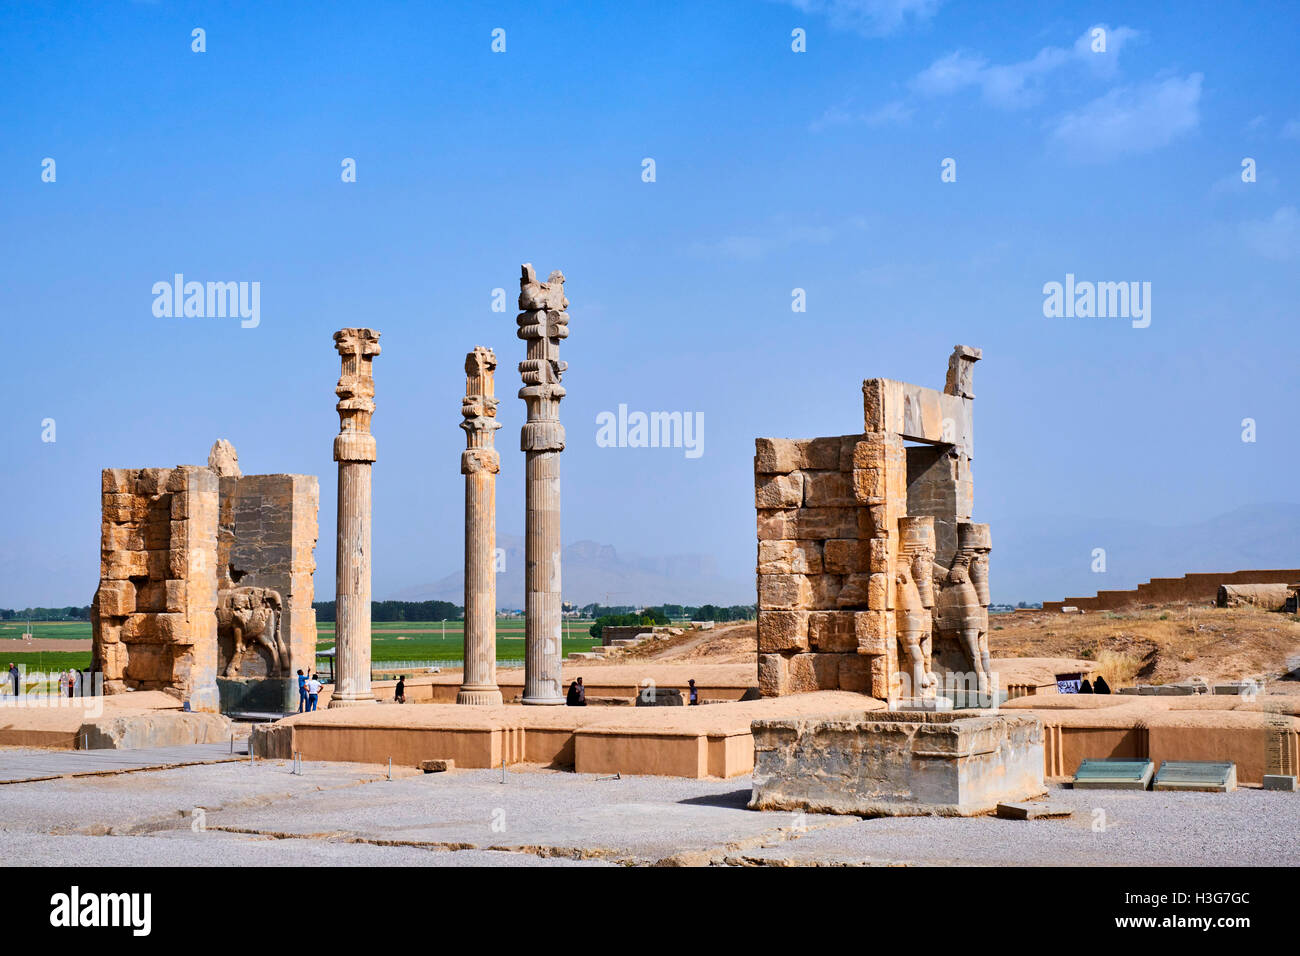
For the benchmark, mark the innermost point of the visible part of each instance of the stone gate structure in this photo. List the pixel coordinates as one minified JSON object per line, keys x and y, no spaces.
{"x":205,"y":585}
{"x":871,"y":576}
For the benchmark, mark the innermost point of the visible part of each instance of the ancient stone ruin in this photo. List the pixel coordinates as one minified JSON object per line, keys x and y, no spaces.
{"x":355,"y":451}
{"x":479,"y":463}
{"x":871,"y":576}
{"x":205,"y":586}
{"x":543,"y":324}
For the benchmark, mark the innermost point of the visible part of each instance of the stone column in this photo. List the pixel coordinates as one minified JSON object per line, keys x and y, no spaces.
{"x":542,"y":324}
{"x":479,"y":463}
{"x":354,"y":450}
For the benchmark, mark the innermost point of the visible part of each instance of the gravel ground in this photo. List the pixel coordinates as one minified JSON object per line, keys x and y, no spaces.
{"x":341,"y":814}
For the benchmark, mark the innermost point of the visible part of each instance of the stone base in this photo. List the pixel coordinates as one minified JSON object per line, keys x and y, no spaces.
{"x":932,"y":704}
{"x":898,"y":764}
{"x":479,"y":696}
{"x":350,"y":702}
{"x":544,"y":701}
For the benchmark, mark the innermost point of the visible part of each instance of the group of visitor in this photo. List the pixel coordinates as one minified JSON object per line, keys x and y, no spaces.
{"x":309,"y":689}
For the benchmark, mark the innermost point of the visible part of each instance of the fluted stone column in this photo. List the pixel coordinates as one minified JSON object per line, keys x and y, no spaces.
{"x":543,"y":322}
{"x":479,"y":463}
{"x":354,"y":450}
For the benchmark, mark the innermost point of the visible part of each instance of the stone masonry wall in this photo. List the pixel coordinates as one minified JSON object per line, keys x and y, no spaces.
{"x":828,"y":511}
{"x":153,"y":621}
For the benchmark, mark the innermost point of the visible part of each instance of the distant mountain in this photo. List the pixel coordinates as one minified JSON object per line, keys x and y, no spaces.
{"x":1034,"y":559}
{"x":594,"y":572}
{"x":1048,"y":559}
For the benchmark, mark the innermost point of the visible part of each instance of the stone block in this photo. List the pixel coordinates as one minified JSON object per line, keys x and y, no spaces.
{"x":116,"y":598}
{"x":152,"y":481}
{"x":789,"y":557}
{"x":827,"y":489}
{"x":783,"y":591}
{"x":878,"y":551}
{"x":880,"y":595}
{"x":812,"y":672}
{"x":120,"y":565}
{"x":773,"y":675}
{"x":882,"y":677}
{"x":869,"y":486}
{"x":871,"y":631}
{"x":832,"y":631}
{"x":779,"y":491}
{"x":853,"y":592}
{"x":855,"y":673}
{"x":782,"y":631}
{"x":777,"y":525}
{"x":821,"y":454}
{"x":1280,"y":781}
{"x":901,"y":764}
{"x":437,"y":766}
{"x":822,"y":523}
{"x":1034,"y":810}
{"x":777,"y":455}
{"x":826,"y":590}
{"x":844,"y":556}
{"x":118,"y":481}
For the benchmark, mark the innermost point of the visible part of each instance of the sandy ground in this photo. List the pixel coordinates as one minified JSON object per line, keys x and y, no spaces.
{"x":343,"y":814}
{"x":19,"y":646}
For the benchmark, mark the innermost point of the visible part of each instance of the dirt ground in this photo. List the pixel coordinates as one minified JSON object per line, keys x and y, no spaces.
{"x":19,"y":646}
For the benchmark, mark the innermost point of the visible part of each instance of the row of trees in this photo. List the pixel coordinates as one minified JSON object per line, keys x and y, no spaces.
{"x":46,"y":614}
{"x":676,"y":612}
{"x":399,"y":611}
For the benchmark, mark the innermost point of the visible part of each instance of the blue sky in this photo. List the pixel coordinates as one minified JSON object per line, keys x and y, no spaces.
{"x":775,"y":170}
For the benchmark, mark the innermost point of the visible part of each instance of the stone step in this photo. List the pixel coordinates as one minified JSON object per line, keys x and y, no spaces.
{"x":582,"y":655}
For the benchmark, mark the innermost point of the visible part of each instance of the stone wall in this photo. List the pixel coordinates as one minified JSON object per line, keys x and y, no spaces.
{"x":153,"y":621}
{"x":831,"y":562}
{"x":267,"y":539}
{"x":1199,"y":588}
{"x":174,"y":544}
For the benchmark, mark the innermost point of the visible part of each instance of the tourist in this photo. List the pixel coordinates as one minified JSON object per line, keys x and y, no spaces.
{"x":13,"y":677}
{"x":313,"y":692}
{"x":1085,"y":687}
{"x":577,"y":696}
{"x":302,"y":691}
{"x":694,"y":694}
{"x":1101,"y":687}
{"x":400,"y":694}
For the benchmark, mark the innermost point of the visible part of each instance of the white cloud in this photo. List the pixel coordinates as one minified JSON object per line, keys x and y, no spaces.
{"x":1131,"y":119}
{"x":873,"y":18}
{"x":1277,"y":237}
{"x":751,"y":247}
{"x":1017,"y":85}
{"x":890,"y":113}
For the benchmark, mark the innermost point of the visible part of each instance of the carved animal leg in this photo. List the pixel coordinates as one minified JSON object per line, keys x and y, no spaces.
{"x":970,"y":639}
{"x":985,"y":657}
{"x":237,"y":656}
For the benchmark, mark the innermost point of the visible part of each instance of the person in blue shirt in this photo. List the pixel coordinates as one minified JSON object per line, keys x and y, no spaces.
{"x":302,"y":692}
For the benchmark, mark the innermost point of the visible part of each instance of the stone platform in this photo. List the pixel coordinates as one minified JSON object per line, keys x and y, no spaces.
{"x":917,"y":763}
{"x":707,"y":741}
{"x":119,"y":721}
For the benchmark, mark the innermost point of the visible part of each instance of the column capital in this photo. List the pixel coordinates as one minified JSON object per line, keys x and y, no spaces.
{"x":356,"y":391}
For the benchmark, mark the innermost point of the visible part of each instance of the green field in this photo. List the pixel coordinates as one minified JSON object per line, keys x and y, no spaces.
{"x":390,"y":641}
{"x":72,"y":630}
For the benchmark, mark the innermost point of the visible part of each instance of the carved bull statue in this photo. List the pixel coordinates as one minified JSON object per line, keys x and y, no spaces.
{"x":252,"y":614}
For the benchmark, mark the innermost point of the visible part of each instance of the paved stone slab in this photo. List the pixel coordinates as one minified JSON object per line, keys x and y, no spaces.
{"x":1033,"y":810}
{"x":1278,"y":781}
{"x":1211,"y":776}
{"x":30,"y":766}
{"x":1113,"y":775}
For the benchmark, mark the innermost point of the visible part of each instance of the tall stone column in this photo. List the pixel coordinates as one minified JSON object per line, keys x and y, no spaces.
{"x":354,"y":450}
{"x":479,"y":463}
{"x":542,"y":324}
